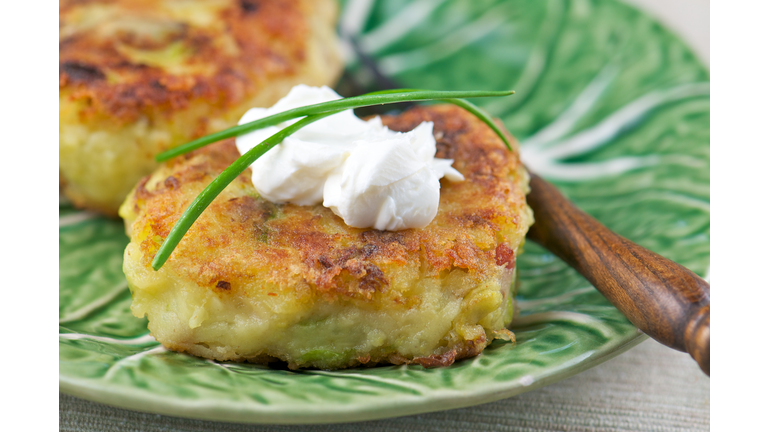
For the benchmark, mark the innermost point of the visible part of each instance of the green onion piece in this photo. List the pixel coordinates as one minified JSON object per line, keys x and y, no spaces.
{"x":375,"y":98}
{"x":206,"y":197}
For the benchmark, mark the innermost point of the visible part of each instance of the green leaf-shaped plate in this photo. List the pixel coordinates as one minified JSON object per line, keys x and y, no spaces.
{"x":609,"y":106}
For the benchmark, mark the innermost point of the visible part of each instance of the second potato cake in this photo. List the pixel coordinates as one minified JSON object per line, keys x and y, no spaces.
{"x":137,"y":77}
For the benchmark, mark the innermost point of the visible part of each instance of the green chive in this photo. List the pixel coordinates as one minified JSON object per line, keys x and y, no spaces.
{"x":375,"y":98}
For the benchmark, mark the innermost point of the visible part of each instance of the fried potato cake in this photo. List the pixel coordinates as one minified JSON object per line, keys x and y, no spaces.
{"x":137,"y":77}
{"x":257,"y":281}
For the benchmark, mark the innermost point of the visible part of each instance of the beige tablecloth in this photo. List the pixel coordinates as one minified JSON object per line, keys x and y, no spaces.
{"x":649,"y":388}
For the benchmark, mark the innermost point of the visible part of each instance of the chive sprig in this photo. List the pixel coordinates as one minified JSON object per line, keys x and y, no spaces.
{"x":369,"y":99}
{"x":311,"y":114}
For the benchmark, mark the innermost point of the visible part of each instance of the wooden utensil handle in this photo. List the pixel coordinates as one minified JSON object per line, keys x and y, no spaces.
{"x":662,"y":298}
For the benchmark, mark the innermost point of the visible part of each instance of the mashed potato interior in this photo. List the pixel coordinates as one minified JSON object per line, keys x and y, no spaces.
{"x":306,"y":331}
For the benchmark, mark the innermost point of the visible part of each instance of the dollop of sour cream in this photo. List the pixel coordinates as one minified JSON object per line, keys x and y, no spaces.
{"x":365,"y":173}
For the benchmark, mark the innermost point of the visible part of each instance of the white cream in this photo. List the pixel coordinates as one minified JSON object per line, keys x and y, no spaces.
{"x":365,"y":173}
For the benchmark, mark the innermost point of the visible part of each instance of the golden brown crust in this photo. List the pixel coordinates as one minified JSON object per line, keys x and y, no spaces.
{"x":240,"y":237}
{"x":222,"y":60}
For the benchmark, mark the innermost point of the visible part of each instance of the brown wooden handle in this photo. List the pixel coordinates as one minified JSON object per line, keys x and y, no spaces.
{"x":662,"y":298}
